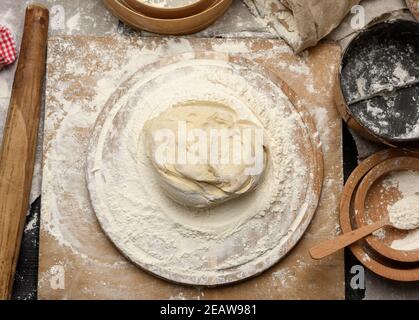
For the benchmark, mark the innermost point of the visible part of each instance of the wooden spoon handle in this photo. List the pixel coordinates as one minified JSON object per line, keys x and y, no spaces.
{"x":332,"y":245}
{"x":17,"y":153}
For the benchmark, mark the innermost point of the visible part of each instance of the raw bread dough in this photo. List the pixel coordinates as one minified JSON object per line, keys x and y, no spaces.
{"x":208,"y":155}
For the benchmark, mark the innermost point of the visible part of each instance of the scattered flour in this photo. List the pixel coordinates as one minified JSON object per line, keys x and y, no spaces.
{"x":57,"y":20}
{"x":366,"y":257}
{"x":375,"y":112}
{"x":232,"y":47}
{"x":283,"y":276}
{"x":66,"y":210}
{"x":380,"y":234}
{"x":401,"y":76}
{"x":8,"y":19}
{"x":373,"y":88}
{"x":412,"y":132}
{"x":179,"y":296}
{"x":320,"y":114}
{"x":4,"y":89}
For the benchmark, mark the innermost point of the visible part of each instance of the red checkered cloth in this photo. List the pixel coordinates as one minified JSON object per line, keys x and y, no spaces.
{"x":7,"y":47}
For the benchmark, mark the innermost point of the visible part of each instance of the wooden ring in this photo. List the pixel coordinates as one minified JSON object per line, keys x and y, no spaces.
{"x":379,"y":171}
{"x":361,"y":250}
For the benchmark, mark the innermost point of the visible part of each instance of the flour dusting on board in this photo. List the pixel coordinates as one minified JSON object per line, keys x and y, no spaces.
{"x":410,"y":242}
{"x":73,"y":23}
{"x":283,"y":276}
{"x":32,"y":223}
{"x":169,"y":3}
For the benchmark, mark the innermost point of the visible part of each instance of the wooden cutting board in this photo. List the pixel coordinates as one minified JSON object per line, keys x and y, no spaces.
{"x":77,"y":261}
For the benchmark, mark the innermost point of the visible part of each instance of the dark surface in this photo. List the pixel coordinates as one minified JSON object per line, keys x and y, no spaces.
{"x":26,"y":278}
{"x":25,"y":285}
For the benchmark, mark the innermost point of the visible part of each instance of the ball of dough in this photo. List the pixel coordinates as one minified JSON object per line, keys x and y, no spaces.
{"x":204,"y":154}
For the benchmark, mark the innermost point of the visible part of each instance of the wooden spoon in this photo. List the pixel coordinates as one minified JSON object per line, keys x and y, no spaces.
{"x":332,"y":245}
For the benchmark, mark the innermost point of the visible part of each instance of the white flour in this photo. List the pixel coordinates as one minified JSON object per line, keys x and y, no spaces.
{"x":412,"y":131}
{"x":410,"y":242}
{"x":404,"y":213}
{"x":57,"y":17}
{"x":178,"y":243}
{"x":73,"y":23}
{"x":401,"y":75}
{"x":4,"y":89}
{"x":380,"y":233}
{"x":32,"y":223}
{"x":67,"y":216}
{"x":8,"y":19}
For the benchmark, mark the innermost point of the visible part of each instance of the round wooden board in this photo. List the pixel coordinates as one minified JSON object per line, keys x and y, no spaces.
{"x":169,"y":12}
{"x":308,"y":144}
{"x":373,"y":260}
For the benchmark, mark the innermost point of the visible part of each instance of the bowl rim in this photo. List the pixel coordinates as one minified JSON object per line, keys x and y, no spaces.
{"x":171,"y":9}
{"x":167,"y":21}
{"x":361,"y":250}
{"x":392,"y":141}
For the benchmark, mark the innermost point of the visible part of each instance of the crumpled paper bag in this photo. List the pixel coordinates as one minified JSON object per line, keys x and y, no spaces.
{"x":302,"y":23}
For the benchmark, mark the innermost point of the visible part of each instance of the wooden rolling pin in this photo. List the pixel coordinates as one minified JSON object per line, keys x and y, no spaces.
{"x":17,"y":153}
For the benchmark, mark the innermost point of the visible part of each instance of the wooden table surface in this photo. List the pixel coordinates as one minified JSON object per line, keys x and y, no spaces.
{"x":89,"y":17}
